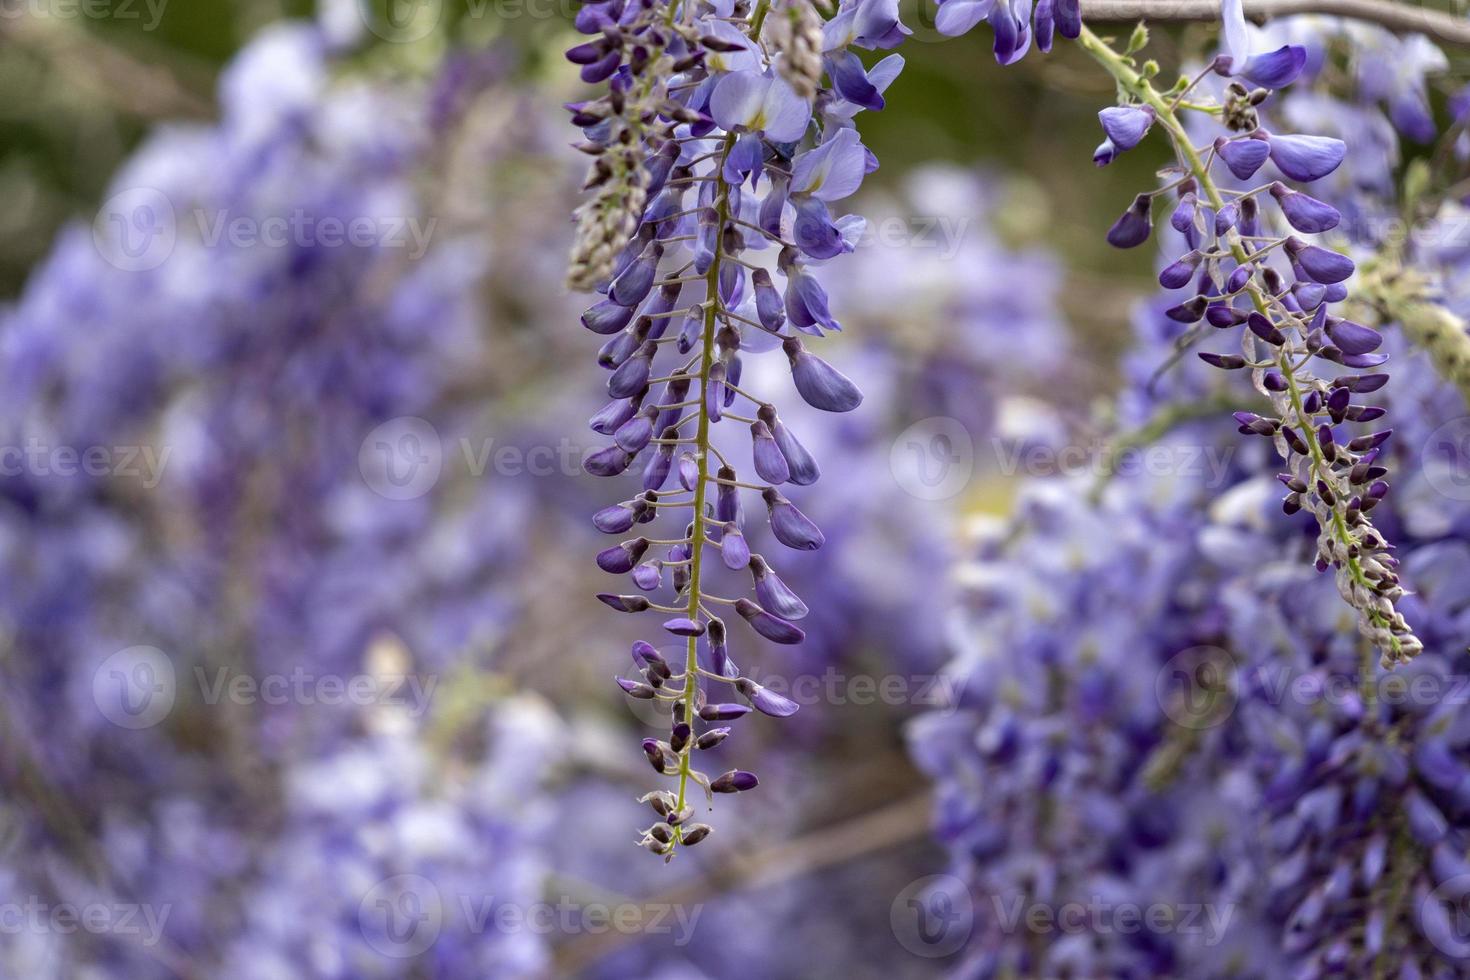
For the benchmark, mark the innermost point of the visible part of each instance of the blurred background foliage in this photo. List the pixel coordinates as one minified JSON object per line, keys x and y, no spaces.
{"x":83,"y":91}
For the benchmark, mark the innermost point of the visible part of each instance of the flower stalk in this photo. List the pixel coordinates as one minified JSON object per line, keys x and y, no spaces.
{"x":1349,"y":543}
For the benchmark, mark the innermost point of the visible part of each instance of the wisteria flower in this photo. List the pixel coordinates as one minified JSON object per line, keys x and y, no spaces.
{"x":752,"y":102}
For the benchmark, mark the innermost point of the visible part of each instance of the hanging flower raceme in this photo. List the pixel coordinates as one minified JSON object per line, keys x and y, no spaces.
{"x":1246,"y":268}
{"x":709,"y":156}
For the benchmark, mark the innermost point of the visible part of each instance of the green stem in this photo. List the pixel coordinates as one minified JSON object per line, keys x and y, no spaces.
{"x":759,"y":17}
{"x":1163,"y":422}
{"x":1136,"y":84}
{"x":701,"y":460}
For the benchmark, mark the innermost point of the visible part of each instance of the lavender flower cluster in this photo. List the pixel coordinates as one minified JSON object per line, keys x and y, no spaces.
{"x":1280,"y":287}
{"x":714,"y":140}
{"x":1195,"y":726}
{"x":255,"y":828}
{"x":700,"y":101}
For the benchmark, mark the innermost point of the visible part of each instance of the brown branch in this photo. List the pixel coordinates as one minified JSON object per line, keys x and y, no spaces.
{"x":895,"y":824}
{"x":1401,"y":17}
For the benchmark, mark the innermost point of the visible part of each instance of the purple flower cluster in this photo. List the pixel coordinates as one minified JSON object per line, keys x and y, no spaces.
{"x":706,"y":157}
{"x":258,"y":548}
{"x":1247,"y":266}
{"x":1194,"y":726}
{"x":716,"y":140}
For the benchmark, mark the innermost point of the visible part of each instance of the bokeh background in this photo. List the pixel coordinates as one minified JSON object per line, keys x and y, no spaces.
{"x":302,"y":674}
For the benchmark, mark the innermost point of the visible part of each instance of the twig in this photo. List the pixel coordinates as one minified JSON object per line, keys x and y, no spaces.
{"x":1402,"y":17}
{"x":903,"y":821}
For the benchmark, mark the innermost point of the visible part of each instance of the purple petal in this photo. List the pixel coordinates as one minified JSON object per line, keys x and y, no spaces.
{"x":607,"y":317}
{"x":683,"y":626}
{"x":803,"y":466}
{"x":649,"y":575}
{"x":1232,"y":24}
{"x":734,"y":781}
{"x":733,"y":549}
{"x":1303,"y":212}
{"x":1306,"y":158}
{"x":613,"y":415}
{"x":851,"y":80}
{"x":833,"y":170}
{"x":770,"y":465}
{"x":820,"y":384}
{"x":608,"y":462}
{"x":769,"y":308}
{"x":629,"y":288}
{"x":957,"y":17}
{"x":1276,"y":69}
{"x":635,"y":434}
{"x":1243,"y":156}
{"x":616,"y":519}
{"x":1321,"y":264}
{"x":790,"y":526}
{"x":766,"y":701}
{"x":773,"y":594}
{"x":813,"y":232}
{"x":656,"y":473}
{"x":773,"y":628}
{"x":806,"y":300}
{"x":1133,"y":228}
{"x":723,"y":712}
{"x":1353,"y":338}
{"x":1126,"y":125}
{"x":621,"y":558}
